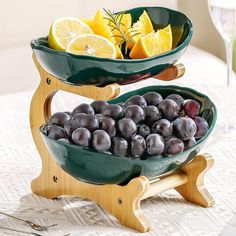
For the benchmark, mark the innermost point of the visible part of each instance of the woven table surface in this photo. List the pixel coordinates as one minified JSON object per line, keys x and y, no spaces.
{"x":168,"y":212}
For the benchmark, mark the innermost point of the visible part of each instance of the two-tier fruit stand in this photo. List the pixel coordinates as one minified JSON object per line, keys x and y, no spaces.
{"x":121,"y":201}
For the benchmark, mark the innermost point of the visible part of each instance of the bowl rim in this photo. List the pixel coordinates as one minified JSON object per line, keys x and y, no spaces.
{"x":34,"y":44}
{"x":159,"y":157}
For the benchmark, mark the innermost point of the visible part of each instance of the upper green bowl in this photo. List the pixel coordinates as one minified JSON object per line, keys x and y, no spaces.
{"x":80,"y":70}
{"x":102,"y":168}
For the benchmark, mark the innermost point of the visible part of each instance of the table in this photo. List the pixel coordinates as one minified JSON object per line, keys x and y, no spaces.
{"x":168,"y":212}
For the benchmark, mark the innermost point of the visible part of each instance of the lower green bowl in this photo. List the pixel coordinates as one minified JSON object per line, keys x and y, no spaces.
{"x":101,"y":168}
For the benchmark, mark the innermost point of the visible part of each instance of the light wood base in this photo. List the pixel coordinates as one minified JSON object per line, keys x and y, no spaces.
{"x":121,"y":201}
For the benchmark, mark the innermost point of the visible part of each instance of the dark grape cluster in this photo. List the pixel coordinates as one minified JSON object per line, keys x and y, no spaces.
{"x":141,"y":127}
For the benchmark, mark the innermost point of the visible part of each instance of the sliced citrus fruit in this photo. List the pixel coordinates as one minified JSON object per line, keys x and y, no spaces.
{"x":139,"y":29}
{"x":88,"y":22}
{"x":91,"y":45}
{"x":125,"y":22}
{"x":153,"y":44}
{"x":101,"y":27}
{"x":64,"y":29}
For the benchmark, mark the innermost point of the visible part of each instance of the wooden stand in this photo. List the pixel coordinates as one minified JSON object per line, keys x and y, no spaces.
{"x":121,"y":201}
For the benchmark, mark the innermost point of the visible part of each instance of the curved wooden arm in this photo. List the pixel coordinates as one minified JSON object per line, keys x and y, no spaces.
{"x":171,"y":73}
{"x":49,"y":85}
{"x":40,"y":112}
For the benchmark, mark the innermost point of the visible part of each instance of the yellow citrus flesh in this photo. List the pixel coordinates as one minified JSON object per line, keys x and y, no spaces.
{"x":125,"y":24}
{"x":139,"y":29}
{"x":64,"y":29}
{"x":101,"y":27}
{"x":153,"y":44}
{"x":92,"y":45}
{"x":88,"y":22}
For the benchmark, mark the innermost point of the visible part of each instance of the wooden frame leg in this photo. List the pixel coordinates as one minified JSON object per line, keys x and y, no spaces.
{"x":53,"y":181}
{"x":123,"y":202}
{"x":194,"y":190}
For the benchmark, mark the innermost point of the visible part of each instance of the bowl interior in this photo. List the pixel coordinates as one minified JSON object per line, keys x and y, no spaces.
{"x":102,"y":168}
{"x":181,"y":26}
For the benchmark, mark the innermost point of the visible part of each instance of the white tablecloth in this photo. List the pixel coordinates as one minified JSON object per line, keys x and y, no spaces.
{"x":169,"y":213}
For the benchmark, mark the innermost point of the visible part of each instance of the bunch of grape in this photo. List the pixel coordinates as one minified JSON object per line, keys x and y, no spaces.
{"x":142,"y":127}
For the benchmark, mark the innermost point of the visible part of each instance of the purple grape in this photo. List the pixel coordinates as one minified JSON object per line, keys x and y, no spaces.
{"x":79,"y":116}
{"x":83,"y":108}
{"x":152,"y":114}
{"x":98,"y":106}
{"x":56,"y":133}
{"x":169,"y":109}
{"x":87,"y":121}
{"x":69,"y":127}
{"x":153,"y":98}
{"x":144,"y":130}
{"x":99,"y":117}
{"x":173,"y":146}
{"x":135,"y":113}
{"x":177,"y":98}
{"x":47,"y":127}
{"x":68,"y":113}
{"x":138,"y":146}
{"x":121,"y":104}
{"x":202,"y":127}
{"x":101,"y":140}
{"x":119,"y":147}
{"x":163,"y":127}
{"x":113,"y":110}
{"x":155,"y":144}
{"x":189,"y":143}
{"x":191,"y":108}
{"x":109,"y":125}
{"x":127,"y":128}
{"x":136,"y":100}
{"x":184,"y":128}
{"x":59,"y":118}
{"x":81,"y":137}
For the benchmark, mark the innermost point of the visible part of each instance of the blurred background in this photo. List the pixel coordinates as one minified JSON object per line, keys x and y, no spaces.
{"x":24,"y":20}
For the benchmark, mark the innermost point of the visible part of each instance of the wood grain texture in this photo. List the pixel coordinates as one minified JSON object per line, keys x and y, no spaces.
{"x":171,"y":73}
{"x":40,"y":112}
{"x":194,"y":190}
{"x":121,"y":201}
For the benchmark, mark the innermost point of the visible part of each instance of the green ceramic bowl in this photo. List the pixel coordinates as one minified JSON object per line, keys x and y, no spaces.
{"x":101,"y":168}
{"x":80,"y":70}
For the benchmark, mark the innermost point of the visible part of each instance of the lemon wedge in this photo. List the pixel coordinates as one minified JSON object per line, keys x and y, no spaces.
{"x":125,"y":22}
{"x":88,"y":22}
{"x":101,"y":27}
{"x":139,"y":29}
{"x":92,"y":45}
{"x":153,"y":44}
{"x":64,"y":29}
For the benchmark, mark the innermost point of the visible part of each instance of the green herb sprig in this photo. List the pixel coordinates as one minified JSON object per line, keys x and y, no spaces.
{"x":115,"y":23}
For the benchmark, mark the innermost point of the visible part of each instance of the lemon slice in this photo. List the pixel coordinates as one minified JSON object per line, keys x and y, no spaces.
{"x":64,"y":29}
{"x":139,"y":29}
{"x":101,"y":27}
{"x":92,"y":45}
{"x":153,"y":44}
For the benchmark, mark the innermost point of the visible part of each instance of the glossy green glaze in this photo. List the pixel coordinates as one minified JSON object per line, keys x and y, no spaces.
{"x":101,"y":168}
{"x":79,"y":70}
